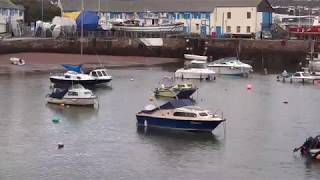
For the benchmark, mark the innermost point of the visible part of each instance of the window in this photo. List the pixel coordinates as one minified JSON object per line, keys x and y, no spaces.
{"x":99,"y":73}
{"x":228,"y":29}
{"x":229,"y":15}
{"x":238,"y":29}
{"x":94,"y":74}
{"x":104,"y":73}
{"x":72,"y":93}
{"x":184,"y":114}
{"x":248,"y":15}
{"x":248,"y":29}
{"x":186,"y":16}
{"x":203,"y":114}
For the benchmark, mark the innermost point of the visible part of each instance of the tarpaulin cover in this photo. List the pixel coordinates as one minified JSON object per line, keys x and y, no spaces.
{"x":74,"y":68}
{"x":72,"y":15}
{"x":90,"y":21}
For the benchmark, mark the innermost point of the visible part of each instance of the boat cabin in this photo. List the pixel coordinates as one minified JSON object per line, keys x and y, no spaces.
{"x":313,"y":57}
{"x":99,"y":73}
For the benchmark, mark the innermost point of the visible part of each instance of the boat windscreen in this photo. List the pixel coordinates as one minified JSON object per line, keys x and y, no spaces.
{"x":224,"y":60}
{"x":177,"y":104}
{"x":58,"y":93}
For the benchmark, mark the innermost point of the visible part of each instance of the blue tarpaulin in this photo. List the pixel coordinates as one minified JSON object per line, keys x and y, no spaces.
{"x":90,"y":21}
{"x":74,"y":68}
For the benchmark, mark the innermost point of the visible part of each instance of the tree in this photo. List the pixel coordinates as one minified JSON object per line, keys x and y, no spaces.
{"x":33,"y":9}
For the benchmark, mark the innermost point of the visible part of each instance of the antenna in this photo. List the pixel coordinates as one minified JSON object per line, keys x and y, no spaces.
{"x":81,"y":39}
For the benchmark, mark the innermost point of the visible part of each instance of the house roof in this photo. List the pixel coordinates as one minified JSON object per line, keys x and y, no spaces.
{"x":9,"y":5}
{"x":159,"y":5}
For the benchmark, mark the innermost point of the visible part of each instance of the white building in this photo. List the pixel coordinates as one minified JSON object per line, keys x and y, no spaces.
{"x":225,"y":17}
{"x":10,"y":16}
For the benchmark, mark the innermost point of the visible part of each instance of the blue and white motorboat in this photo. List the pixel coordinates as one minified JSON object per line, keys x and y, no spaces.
{"x":180,"y":115}
{"x":230,"y":66}
{"x":74,"y":75}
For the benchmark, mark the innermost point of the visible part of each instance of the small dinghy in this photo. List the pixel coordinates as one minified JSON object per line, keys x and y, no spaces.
{"x":75,"y":95}
{"x":310,"y":148}
{"x":17,"y":61}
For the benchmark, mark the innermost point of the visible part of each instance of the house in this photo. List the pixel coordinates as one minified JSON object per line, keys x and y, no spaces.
{"x":224,"y":17}
{"x":11,"y":16}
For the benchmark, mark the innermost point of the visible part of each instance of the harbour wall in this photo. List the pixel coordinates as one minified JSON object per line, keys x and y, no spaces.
{"x":274,"y":55}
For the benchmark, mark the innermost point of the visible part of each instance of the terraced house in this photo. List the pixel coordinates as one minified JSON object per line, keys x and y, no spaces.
{"x":223,"y":17}
{"x":10,"y":16}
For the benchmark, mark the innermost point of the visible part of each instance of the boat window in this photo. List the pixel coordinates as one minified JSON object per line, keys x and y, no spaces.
{"x":104,"y":73}
{"x":184,"y":114}
{"x":306,"y":74}
{"x":87,"y":92}
{"x":78,"y":77}
{"x":203,"y":114}
{"x":180,"y":85}
{"x":72,"y":93}
{"x":94,"y":74}
{"x":198,"y":65}
{"x":67,"y":76}
{"x":99,"y":73}
{"x":297,"y":75}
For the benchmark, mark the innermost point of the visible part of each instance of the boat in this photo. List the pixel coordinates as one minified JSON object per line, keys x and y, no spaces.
{"x":150,"y":22}
{"x":179,"y":115}
{"x":195,"y":70}
{"x":17,"y":61}
{"x":180,"y":91}
{"x":303,"y":76}
{"x":310,"y":148}
{"x":195,"y":57}
{"x":76,"y":76}
{"x":75,"y":95}
{"x":230,"y":66}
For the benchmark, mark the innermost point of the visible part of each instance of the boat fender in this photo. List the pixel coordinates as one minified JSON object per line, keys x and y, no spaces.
{"x":249,"y":87}
{"x":56,"y":120}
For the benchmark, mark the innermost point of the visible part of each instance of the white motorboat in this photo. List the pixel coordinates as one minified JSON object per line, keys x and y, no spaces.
{"x":75,"y":95}
{"x":195,"y":57}
{"x":230,"y":66}
{"x":75,"y":76}
{"x":179,"y":115}
{"x":303,"y":76}
{"x":17,"y":61}
{"x":195,"y":70}
{"x":149,"y":23}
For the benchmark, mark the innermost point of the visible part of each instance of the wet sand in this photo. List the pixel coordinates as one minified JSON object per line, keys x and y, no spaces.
{"x":48,"y":62}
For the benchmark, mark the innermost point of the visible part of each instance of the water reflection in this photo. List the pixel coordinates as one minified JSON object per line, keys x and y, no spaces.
{"x":185,"y":138}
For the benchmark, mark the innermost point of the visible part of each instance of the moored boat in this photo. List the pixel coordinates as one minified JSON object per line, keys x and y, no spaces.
{"x":179,"y":115}
{"x":17,"y":61}
{"x":76,"y":76}
{"x":230,"y":66}
{"x":180,"y":91}
{"x":310,"y":148}
{"x":76,"y":95}
{"x":195,"y":70}
{"x":195,"y":57}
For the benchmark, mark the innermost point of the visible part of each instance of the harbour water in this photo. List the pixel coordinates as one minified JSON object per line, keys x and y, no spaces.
{"x":256,"y":143}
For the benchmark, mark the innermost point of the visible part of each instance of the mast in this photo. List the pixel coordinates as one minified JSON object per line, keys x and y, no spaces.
{"x":81,"y":39}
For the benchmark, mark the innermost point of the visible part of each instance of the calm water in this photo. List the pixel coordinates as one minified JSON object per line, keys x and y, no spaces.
{"x":104,"y":143}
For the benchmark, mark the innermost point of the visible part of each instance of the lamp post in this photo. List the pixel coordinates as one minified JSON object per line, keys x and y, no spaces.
{"x":42,"y":10}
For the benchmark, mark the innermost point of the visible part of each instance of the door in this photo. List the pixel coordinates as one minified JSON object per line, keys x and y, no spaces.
{"x":219,"y":31}
{"x":203,"y":30}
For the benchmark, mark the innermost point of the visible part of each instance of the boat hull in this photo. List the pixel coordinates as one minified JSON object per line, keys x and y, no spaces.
{"x":231,"y":71}
{"x":169,"y":28}
{"x":73,"y":102}
{"x":186,"y":125}
{"x":181,"y":94}
{"x":192,"y":75}
{"x":85,"y":83}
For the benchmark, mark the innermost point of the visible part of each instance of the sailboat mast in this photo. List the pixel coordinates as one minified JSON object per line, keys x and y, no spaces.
{"x":82,"y":14}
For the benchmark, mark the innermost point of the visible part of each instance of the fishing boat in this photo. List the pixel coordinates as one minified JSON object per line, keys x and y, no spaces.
{"x":179,"y":115}
{"x":230,"y":66}
{"x":17,"y":61}
{"x":180,"y":91}
{"x":195,"y":70}
{"x":150,"y":22}
{"x":195,"y":57}
{"x":76,"y":76}
{"x":75,"y":95}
